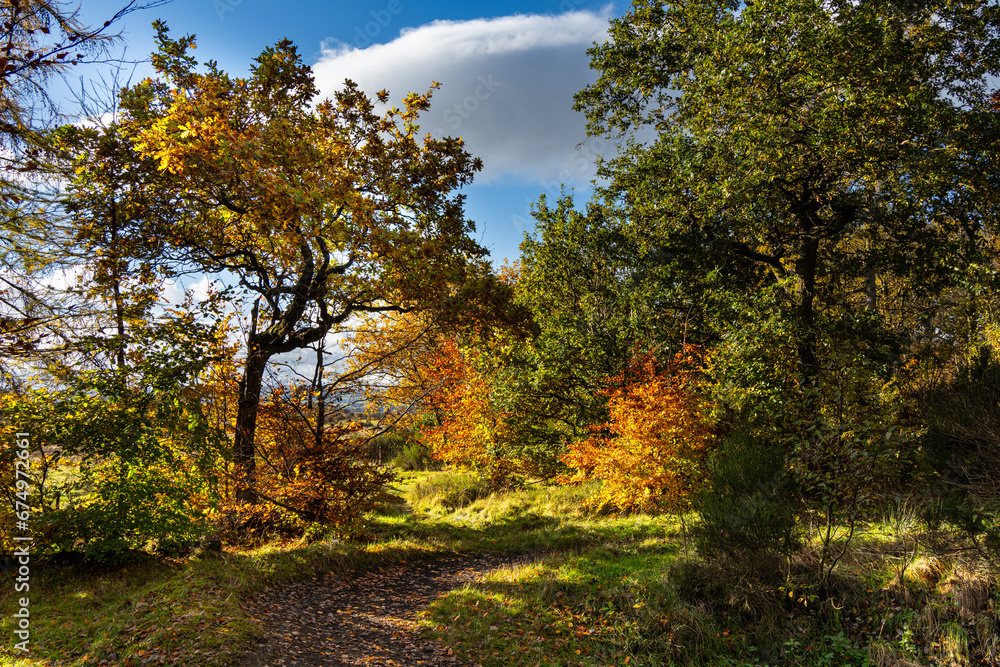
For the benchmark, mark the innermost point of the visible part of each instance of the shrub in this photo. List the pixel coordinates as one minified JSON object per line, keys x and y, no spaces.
{"x":962,"y":448}
{"x":385,"y":446}
{"x":415,"y":456}
{"x":119,"y":457}
{"x":320,"y":474}
{"x":451,"y":490}
{"x":471,"y":432}
{"x":651,"y":454}
{"x":747,"y":509}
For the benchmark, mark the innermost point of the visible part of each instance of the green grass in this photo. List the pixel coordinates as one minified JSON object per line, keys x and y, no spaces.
{"x":176,"y":610}
{"x":594,"y":590}
{"x":594,"y":606}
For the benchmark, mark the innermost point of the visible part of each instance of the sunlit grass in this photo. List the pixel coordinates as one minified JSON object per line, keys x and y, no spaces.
{"x":593,"y":589}
{"x":597,"y":606}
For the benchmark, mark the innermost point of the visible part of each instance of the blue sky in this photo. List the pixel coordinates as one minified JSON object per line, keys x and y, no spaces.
{"x":508,"y":73}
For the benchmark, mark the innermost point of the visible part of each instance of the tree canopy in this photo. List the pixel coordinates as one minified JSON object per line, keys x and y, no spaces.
{"x":837,"y":146}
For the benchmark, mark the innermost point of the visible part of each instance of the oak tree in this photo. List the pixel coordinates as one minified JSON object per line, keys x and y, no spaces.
{"x":320,"y":210}
{"x":835,"y":146}
{"x":598,"y":291}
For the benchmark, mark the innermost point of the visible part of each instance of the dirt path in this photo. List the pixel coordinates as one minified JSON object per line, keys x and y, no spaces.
{"x":367,"y":619}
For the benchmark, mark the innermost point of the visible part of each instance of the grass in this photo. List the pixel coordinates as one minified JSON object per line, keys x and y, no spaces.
{"x":594,"y":590}
{"x":595,"y":606}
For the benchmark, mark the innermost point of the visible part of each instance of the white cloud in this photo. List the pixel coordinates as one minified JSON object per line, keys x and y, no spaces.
{"x":174,"y":291}
{"x":507,"y":87}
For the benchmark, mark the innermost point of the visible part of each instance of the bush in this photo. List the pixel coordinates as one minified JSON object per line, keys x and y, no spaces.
{"x":251,"y":524}
{"x":650,"y":455}
{"x":451,"y":490}
{"x":114,"y":465}
{"x":962,"y":451}
{"x":414,"y":456}
{"x":747,"y":511}
{"x":384,"y":446}
{"x":319,"y":475}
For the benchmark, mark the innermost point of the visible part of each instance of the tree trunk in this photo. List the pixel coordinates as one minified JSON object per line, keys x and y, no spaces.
{"x":246,"y":424}
{"x":806,"y":347}
{"x":320,"y":399}
{"x":116,"y":281}
{"x":871,"y":286}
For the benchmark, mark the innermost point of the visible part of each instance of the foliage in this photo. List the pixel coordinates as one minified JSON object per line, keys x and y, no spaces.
{"x":855,"y":456}
{"x":839,"y":156}
{"x":313,"y":462}
{"x":39,"y":40}
{"x":964,"y":435}
{"x":397,"y":359}
{"x":748,"y":507}
{"x":42,"y":39}
{"x":596,"y":294}
{"x":112,"y":210}
{"x":390,"y":357}
{"x":469,"y":431}
{"x":413,"y":455}
{"x":840,"y":159}
{"x":651,"y":453}
{"x":523,"y":430}
{"x":126,"y":455}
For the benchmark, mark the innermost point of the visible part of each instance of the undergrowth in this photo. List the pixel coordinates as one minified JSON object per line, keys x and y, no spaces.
{"x":597,"y":590}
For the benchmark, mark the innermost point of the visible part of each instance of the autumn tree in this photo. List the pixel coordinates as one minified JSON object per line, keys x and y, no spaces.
{"x":651,"y":453}
{"x":472,"y":429}
{"x":319,"y":210}
{"x":391,"y":359}
{"x":111,"y":209}
{"x":312,"y":457}
{"x":599,"y":289}
{"x":453,"y":376}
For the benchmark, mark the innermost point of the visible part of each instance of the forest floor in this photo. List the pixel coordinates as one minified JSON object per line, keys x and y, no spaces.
{"x":451,"y":574}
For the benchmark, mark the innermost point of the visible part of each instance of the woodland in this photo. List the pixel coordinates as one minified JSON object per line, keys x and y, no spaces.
{"x":742,"y":405}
